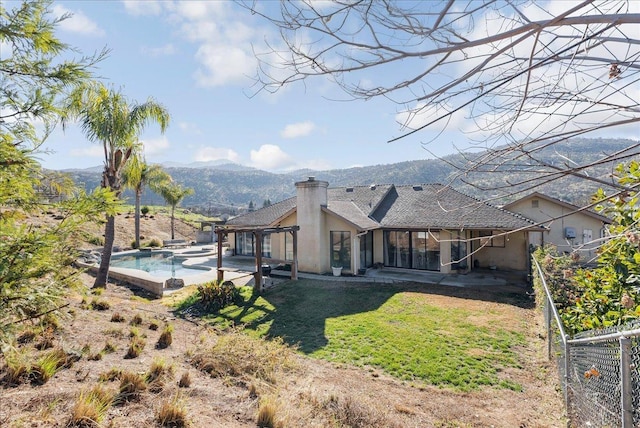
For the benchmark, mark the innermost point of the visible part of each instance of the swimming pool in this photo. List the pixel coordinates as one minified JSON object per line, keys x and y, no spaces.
{"x":159,"y":264}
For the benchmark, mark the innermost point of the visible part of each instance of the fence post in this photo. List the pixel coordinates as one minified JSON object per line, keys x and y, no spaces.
{"x":625,"y":381}
{"x":548,"y":316}
{"x":567,"y":373}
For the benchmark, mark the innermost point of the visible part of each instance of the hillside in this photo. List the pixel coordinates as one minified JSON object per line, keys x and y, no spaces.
{"x":231,"y":187}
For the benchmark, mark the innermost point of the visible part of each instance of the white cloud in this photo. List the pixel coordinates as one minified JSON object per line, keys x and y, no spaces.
{"x":155,"y":146}
{"x":205,"y":154}
{"x":300,"y":129}
{"x":222,"y":65}
{"x":271,"y":157}
{"x":78,"y":22}
{"x":95,"y":151}
{"x":146,"y":7}
{"x":190,"y":128}
{"x":165,"y":50}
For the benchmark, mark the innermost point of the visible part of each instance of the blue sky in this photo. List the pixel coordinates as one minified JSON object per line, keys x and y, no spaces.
{"x":196,"y":59}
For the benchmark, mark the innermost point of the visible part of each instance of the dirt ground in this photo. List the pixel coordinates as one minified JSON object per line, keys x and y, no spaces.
{"x":311,"y":393}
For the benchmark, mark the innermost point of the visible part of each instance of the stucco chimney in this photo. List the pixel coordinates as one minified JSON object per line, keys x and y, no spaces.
{"x":312,"y":237}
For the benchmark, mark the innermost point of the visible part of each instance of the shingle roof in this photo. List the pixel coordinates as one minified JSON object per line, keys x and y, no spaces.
{"x":441,"y":207}
{"x":264,"y":216}
{"x":407,"y":207}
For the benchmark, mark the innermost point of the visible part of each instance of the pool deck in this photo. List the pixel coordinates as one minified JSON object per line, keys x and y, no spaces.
{"x":239,"y":270}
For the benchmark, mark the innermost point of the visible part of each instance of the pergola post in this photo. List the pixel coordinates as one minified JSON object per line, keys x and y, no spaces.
{"x":257,"y":287}
{"x":294,"y":265}
{"x":220,"y":234}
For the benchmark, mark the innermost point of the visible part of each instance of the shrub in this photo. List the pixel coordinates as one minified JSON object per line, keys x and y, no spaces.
{"x":155,"y":243}
{"x":214,"y":295}
{"x":154,"y":325}
{"x":165,"y":339}
{"x":144,"y":210}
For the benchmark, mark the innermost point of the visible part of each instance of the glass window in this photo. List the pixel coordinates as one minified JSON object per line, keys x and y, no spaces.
{"x":412,"y":249}
{"x":366,"y":250}
{"x":266,"y":245}
{"x":341,"y":249}
{"x":459,"y":251}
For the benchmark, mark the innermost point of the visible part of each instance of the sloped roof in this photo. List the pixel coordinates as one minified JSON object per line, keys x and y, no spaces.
{"x":441,"y":207}
{"x":265,"y":216}
{"x":588,"y":212}
{"x":404,"y":207}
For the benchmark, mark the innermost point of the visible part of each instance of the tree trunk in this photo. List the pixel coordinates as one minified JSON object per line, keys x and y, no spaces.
{"x":109,"y":236}
{"x":137,"y":219}
{"x":172,"y":221}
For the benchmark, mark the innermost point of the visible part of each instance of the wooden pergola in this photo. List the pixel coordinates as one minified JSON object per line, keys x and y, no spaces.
{"x":259,"y":233}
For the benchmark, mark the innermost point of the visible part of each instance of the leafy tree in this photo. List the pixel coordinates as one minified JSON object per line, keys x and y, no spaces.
{"x":607,"y":295}
{"x":523,"y":76}
{"x":136,"y":174}
{"x":32,"y":75}
{"x":36,"y":262}
{"x":173,"y":194}
{"x":108,"y":118}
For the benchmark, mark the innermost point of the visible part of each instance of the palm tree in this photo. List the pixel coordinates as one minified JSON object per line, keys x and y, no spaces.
{"x":136,"y":174}
{"x":107,"y":117}
{"x":173,"y":194}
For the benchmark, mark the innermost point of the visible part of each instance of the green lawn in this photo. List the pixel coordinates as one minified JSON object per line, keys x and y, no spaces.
{"x":391,"y":327}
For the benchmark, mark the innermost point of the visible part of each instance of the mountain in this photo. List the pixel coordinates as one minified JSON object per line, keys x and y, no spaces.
{"x":229,"y":186}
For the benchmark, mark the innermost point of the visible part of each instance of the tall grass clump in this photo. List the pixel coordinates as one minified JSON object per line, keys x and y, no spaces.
{"x":91,"y":407}
{"x":166,"y":338}
{"x":132,"y":385}
{"x":136,"y":346}
{"x":172,"y":413}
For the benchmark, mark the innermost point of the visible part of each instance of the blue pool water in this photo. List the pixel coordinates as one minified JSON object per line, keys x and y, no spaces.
{"x":160,"y":264}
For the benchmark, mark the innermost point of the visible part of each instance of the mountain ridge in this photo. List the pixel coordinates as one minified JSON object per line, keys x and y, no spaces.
{"x":232,"y":186}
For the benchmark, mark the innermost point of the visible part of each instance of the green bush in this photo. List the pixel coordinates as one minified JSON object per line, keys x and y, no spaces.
{"x":155,"y":243}
{"x":214,"y":295}
{"x":144,"y":210}
{"x":607,"y":295}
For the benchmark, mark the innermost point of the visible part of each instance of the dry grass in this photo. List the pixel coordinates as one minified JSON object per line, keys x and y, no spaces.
{"x":185,"y":380}
{"x":266,"y":417}
{"x":136,"y":320}
{"x":136,"y":346}
{"x":158,"y":375}
{"x":132,"y":385}
{"x":166,"y":338}
{"x":91,"y":407}
{"x":238,"y":355}
{"x":172,"y":413}
{"x":116,"y":317}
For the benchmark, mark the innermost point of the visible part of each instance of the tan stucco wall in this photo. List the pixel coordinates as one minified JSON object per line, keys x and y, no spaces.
{"x":513,"y":256}
{"x":556,"y":233}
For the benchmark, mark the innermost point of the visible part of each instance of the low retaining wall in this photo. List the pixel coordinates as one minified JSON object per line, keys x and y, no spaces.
{"x":135,"y":277}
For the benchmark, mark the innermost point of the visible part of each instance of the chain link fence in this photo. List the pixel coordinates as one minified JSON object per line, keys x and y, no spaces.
{"x":599,"y":369}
